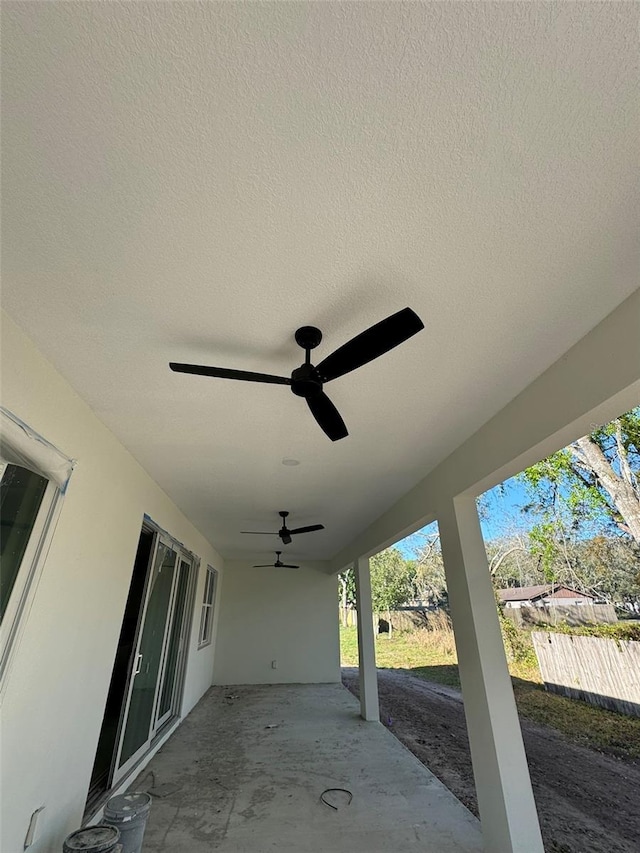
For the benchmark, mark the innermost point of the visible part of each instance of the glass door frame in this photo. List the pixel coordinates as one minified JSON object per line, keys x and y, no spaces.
{"x":160,"y":538}
{"x":183,"y":644}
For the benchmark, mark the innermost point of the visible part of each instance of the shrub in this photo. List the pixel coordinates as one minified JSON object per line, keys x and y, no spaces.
{"x":623,"y":631}
{"x":517,"y":641}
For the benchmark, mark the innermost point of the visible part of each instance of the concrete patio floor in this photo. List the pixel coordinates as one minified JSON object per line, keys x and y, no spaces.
{"x":245,"y":770}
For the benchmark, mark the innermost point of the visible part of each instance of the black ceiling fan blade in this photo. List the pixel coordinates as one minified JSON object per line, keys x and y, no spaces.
{"x":265,"y":566}
{"x":327,"y":416}
{"x":308,"y":529}
{"x":225,"y":373}
{"x":259,"y":532}
{"x":370,"y":344}
{"x":285,"y":566}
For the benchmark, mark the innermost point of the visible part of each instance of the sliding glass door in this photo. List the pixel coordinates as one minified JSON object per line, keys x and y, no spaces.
{"x":156,"y":679}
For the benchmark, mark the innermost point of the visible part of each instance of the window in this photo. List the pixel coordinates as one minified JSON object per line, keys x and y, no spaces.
{"x":21,"y":494}
{"x":27,"y":502}
{"x":33,"y":478}
{"x":208,"y":601}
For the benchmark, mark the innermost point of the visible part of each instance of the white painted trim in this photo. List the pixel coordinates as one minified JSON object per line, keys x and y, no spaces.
{"x":205,"y":637}
{"x":23,"y":446}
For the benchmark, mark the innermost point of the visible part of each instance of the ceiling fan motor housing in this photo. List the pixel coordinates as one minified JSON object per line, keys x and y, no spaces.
{"x":283,"y":533}
{"x":305,"y":381}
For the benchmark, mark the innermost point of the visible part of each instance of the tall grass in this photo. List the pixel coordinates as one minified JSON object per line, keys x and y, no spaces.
{"x":437,"y":637}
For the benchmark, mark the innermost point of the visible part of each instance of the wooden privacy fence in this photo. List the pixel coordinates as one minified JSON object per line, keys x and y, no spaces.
{"x":601,"y":671}
{"x":400,"y":620}
{"x":554,"y":614}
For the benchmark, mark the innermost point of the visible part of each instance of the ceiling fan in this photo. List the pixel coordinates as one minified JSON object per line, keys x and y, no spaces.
{"x":284,"y":533}
{"x":307,"y":380}
{"x":277,"y":565}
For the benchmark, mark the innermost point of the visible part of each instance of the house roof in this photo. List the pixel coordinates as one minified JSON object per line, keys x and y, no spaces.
{"x":530,"y":593}
{"x":193,"y":182}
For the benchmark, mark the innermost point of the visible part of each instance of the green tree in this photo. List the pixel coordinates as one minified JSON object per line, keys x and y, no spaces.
{"x":595,"y":480}
{"x":609,"y":567}
{"x":586,"y":503}
{"x":391,"y":580}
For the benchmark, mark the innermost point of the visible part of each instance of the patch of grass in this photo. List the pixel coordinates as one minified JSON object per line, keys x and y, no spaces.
{"x":349,"y":646}
{"x":578,"y":721}
{"x":427,"y":659}
{"x":433,"y":658}
{"x":430,"y":660}
{"x":440,"y":674}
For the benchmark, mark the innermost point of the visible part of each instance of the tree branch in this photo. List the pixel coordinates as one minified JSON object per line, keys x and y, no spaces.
{"x":625,"y":468}
{"x":493,"y":568}
{"x":622,"y":493}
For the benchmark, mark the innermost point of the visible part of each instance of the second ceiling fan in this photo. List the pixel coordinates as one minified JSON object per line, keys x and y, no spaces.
{"x":308,"y":380}
{"x":277,"y":565}
{"x":284,"y":533}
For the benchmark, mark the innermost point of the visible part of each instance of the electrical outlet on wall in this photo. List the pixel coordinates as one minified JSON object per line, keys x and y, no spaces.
{"x":274,"y":664}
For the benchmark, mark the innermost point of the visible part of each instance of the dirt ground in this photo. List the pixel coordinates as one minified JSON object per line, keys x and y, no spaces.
{"x":588,"y":802}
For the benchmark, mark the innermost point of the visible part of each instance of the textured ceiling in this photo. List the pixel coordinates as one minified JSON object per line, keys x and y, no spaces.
{"x":192,"y":182}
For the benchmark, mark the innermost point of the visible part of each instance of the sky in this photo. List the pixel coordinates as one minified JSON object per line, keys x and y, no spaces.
{"x":503,"y":513}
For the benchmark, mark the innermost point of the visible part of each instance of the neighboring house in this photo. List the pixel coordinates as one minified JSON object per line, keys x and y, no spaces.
{"x":544,"y":595}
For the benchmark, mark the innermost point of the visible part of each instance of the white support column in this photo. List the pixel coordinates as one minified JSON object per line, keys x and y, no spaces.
{"x":505,"y":798}
{"x":369,"y":709}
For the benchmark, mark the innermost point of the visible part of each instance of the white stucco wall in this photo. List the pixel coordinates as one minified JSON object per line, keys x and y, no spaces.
{"x":55,"y":690}
{"x":286,"y":615}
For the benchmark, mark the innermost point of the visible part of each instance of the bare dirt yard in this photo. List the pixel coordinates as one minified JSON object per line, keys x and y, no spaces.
{"x":588,"y":801}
